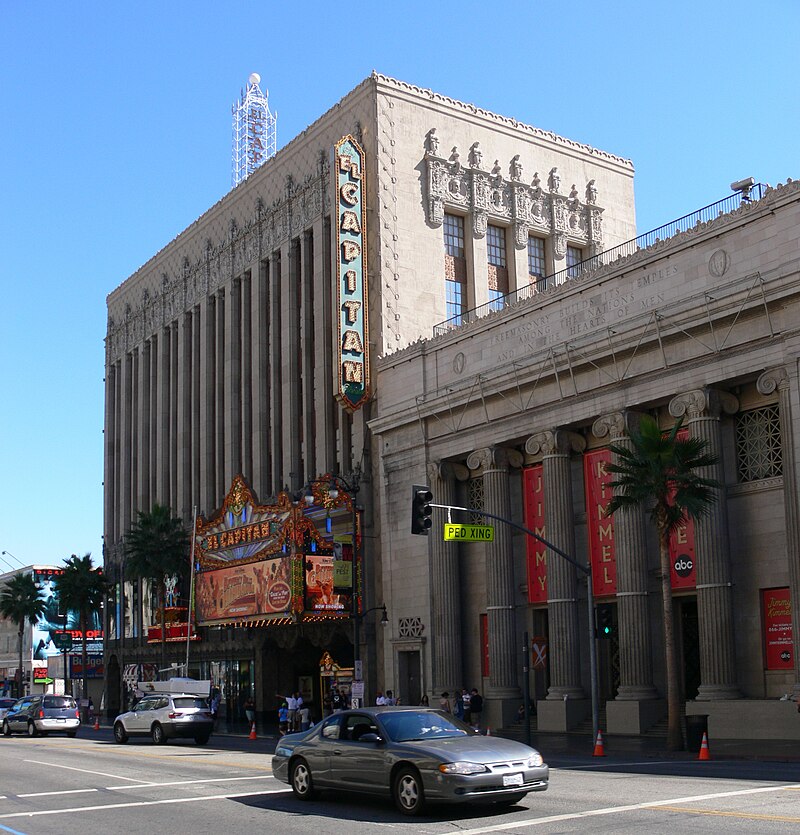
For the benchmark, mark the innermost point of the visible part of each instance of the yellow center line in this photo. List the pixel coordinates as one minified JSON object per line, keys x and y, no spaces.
{"x":722,"y":814}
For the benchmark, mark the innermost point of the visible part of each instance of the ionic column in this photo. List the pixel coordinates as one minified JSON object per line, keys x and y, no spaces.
{"x":630,"y":548}
{"x":448,"y":669}
{"x":778,"y":378}
{"x":562,"y":585}
{"x":714,"y":583}
{"x":494,"y":463}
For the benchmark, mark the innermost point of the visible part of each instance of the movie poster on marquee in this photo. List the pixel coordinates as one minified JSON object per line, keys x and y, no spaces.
{"x":600,"y":528}
{"x":682,"y":557}
{"x":320,"y":593}
{"x":776,"y":607}
{"x":533,"y":496}
{"x":244,"y":591}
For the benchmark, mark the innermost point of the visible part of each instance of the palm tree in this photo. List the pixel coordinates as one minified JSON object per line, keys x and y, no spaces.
{"x":82,"y":588}
{"x":21,"y":600}
{"x":658,"y":471}
{"x":157,"y":548}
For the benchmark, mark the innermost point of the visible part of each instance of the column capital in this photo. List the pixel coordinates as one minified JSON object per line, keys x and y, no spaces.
{"x":447,"y":471}
{"x":774,"y":378}
{"x":555,"y":442}
{"x":616,"y":425}
{"x":494,"y":458}
{"x":705,"y":402}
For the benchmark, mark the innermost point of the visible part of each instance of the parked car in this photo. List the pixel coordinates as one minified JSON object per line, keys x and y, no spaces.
{"x":5,"y":704}
{"x":43,"y":714}
{"x":164,"y":716}
{"x":413,"y":754}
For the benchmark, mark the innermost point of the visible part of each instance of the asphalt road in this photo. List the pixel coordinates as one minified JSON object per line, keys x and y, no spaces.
{"x":91,"y":785}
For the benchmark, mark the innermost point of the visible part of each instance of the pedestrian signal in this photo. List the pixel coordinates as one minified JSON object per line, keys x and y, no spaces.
{"x":421,"y":498}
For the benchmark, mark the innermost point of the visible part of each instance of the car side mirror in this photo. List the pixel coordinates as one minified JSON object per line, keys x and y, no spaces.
{"x":371,"y":737}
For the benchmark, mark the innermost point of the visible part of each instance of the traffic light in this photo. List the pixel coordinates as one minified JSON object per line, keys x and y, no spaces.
{"x":605,"y":620}
{"x":421,"y":498}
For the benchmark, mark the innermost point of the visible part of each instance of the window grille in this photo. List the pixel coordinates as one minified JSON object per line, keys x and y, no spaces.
{"x":536,"y":257}
{"x":475,"y":499}
{"x":758,"y":444}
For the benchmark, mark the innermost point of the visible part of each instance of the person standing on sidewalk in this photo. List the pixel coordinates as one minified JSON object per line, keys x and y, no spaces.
{"x":250,"y":710}
{"x":475,"y":708}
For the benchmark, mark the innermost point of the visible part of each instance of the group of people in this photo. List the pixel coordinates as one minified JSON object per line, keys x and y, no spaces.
{"x":294,"y":714}
{"x":466,"y":705}
{"x":388,"y":699}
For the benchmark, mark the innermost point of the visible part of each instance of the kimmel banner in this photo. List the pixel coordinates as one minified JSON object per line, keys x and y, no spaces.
{"x":777,"y":618}
{"x":600,"y":528}
{"x":533,"y":494}
{"x":681,"y":549}
{"x":243,"y":591}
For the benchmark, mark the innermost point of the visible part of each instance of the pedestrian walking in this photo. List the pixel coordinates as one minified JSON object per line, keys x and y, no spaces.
{"x":475,"y":708}
{"x":250,"y":710}
{"x":444,"y":702}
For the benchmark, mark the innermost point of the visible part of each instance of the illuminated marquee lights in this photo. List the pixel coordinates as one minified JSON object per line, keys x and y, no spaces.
{"x":351,"y":272}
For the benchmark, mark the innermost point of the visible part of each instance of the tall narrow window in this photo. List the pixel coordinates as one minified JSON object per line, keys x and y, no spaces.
{"x":498,"y":270}
{"x":574,"y":257}
{"x":535,"y":259}
{"x":455,"y":266}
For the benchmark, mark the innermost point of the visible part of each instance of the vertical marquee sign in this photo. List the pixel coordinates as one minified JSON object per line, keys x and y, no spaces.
{"x":533,"y":492}
{"x":350,"y":245}
{"x":599,"y":527}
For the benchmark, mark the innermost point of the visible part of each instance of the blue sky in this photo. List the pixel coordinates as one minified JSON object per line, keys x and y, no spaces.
{"x":115,"y":136}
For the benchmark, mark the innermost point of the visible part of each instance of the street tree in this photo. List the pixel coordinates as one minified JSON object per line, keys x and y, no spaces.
{"x":82,"y":588}
{"x":157,"y":549}
{"x":21,"y":600}
{"x":659,"y":472}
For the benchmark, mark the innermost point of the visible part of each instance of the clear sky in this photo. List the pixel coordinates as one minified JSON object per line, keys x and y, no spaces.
{"x":115,"y":135}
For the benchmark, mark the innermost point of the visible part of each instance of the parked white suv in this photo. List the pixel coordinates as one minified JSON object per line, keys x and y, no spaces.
{"x":164,"y":716}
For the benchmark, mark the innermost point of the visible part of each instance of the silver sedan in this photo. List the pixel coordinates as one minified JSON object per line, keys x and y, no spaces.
{"x":415,"y":754}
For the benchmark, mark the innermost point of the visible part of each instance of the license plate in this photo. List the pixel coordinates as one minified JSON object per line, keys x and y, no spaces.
{"x":513,"y":780}
{"x":61,"y":720}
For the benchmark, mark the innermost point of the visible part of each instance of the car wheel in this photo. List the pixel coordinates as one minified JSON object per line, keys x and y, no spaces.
{"x":409,"y":796}
{"x":300,"y":778}
{"x":119,"y":733}
{"x":157,"y":732}
{"x":32,"y":729}
{"x":202,"y":739}
{"x":6,"y":729}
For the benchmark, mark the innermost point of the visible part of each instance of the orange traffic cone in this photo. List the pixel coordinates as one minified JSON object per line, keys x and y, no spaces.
{"x":253,"y":731}
{"x":488,"y":731}
{"x":599,"y":751}
{"x":705,"y":753}
{"x":96,"y":723}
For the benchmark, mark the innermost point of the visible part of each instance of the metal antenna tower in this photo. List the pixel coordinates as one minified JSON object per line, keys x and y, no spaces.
{"x":254,"y":130}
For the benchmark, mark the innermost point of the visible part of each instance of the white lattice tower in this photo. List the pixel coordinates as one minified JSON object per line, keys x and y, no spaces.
{"x":254,"y":130}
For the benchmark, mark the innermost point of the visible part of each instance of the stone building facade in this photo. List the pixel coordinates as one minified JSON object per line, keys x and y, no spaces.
{"x":224,"y":352}
{"x":512,"y":410}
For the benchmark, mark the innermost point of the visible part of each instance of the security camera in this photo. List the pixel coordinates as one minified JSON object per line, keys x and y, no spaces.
{"x":743,"y":185}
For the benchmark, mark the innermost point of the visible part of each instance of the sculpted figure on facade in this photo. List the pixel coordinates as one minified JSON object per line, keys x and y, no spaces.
{"x":554,"y":180}
{"x":536,"y":183}
{"x":496,"y":170}
{"x":476,"y":155}
{"x":455,"y":159}
{"x":432,"y":143}
{"x":515,"y":169}
{"x":591,"y":193}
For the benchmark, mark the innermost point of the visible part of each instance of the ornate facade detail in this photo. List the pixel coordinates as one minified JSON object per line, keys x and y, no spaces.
{"x":705,"y":401}
{"x":494,"y":458}
{"x":446,"y":470}
{"x":591,"y":193}
{"x":554,"y":180}
{"x":476,"y":155}
{"x":410,"y":627}
{"x":555,"y":442}
{"x":773,"y":380}
{"x":515,"y":169}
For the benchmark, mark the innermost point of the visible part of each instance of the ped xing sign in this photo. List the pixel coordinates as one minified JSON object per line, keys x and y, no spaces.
{"x":469,"y":533}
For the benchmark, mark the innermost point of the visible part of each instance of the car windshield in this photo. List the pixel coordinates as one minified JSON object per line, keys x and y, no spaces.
{"x":408,"y":725}
{"x":186,"y":702}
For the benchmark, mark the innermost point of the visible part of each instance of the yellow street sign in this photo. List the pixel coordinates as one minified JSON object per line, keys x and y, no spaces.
{"x":469,"y":533}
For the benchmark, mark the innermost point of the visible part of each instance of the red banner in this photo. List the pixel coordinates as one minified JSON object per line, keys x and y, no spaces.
{"x":776,"y":610}
{"x":681,"y":549}
{"x":600,"y":528}
{"x":533,"y":496}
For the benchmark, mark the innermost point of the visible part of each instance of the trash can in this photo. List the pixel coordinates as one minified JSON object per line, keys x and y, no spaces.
{"x":696,"y":726}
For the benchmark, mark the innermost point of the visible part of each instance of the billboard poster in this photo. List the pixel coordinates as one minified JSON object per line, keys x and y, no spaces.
{"x":776,"y":608}
{"x":533,"y":498}
{"x":319,"y":583}
{"x":244,"y":591}
{"x":600,"y":528}
{"x":94,"y":666}
{"x":682,"y":557}
{"x":53,"y":619}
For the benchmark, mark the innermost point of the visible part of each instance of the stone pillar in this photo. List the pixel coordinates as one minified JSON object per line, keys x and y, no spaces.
{"x":637,"y":705}
{"x":494,"y":464}
{"x":562,"y":586}
{"x":714,"y":583}
{"x":277,"y":264}
{"x":767,"y":383}
{"x":448,"y":668}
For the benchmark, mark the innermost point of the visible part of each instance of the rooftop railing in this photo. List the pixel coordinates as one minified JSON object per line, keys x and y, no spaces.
{"x":608,"y":256}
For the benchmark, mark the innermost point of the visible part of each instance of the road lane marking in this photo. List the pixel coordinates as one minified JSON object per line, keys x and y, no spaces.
{"x":141,"y":803}
{"x":189,"y":782}
{"x":87,"y":771}
{"x":723,"y":814}
{"x":50,"y":794}
{"x":8,"y":828}
{"x":612,"y":810}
